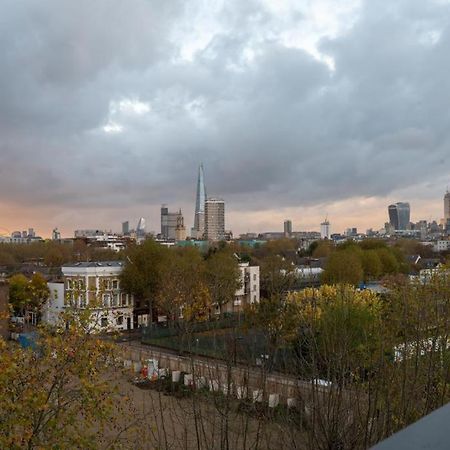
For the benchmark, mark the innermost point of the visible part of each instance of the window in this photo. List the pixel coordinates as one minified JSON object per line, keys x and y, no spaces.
{"x":104,"y":322}
{"x":124,"y":299}
{"x":115,"y":300}
{"x":254,"y":287}
{"x":115,"y":284}
{"x":106,"y":300}
{"x":254,"y":277}
{"x":69,"y":284}
{"x":120,"y":320}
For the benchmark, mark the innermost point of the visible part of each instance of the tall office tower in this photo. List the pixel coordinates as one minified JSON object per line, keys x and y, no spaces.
{"x":169,"y":222}
{"x":287,"y":228}
{"x":199,"y":217}
{"x":446,"y":206}
{"x":325,"y":229}
{"x":140,"y":230}
{"x":399,"y":215}
{"x":180,"y":231}
{"x":56,"y":235}
{"x":125,"y":228}
{"x":214,"y":219}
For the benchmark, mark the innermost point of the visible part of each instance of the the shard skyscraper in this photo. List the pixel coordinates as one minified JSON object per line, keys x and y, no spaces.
{"x":199,"y":216}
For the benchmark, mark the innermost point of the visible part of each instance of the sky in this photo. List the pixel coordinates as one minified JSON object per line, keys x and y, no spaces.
{"x":297,"y":110}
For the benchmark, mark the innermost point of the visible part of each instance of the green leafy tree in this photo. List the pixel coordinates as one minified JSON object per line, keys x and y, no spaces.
{"x":371,"y":264}
{"x":343,"y":267}
{"x":222,"y":276}
{"x":277,"y":276}
{"x":64,"y":398}
{"x":38,"y":292}
{"x":389,"y":262}
{"x":18,"y":293}
{"x":145,"y":266}
{"x":322,"y":249}
{"x":183,"y":290}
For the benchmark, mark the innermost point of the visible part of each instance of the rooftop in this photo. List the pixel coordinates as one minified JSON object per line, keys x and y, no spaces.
{"x":96,"y":264}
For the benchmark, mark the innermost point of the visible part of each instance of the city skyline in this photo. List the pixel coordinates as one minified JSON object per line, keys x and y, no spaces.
{"x":288,"y":105}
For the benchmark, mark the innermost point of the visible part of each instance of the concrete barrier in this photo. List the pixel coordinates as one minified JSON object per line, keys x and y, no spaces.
{"x":257,"y":396}
{"x":291,"y":402}
{"x":162,"y":372}
{"x":213,"y":385}
{"x":200,"y":382}
{"x":241,"y":392}
{"x":176,"y":375}
{"x":127,"y":363}
{"x":188,"y":379}
{"x":227,"y":389}
{"x":274,"y":400}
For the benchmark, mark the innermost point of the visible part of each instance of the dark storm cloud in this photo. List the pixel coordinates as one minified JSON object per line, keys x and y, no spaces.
{"x":273,"y":125}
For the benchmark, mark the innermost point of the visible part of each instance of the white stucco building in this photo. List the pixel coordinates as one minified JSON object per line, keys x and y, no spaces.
{"x":248,"y":292}
{"x":93,"y":285}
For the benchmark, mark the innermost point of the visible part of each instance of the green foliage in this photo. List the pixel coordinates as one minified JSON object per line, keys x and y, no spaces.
{"x":389,"y":262}
{"x":38,"y":291}
{"x":222,"y":276}
{"x":61,"y":398}
{"x":276,"y":275}
{"x":28,"y":294}
{"x":144,"y":269}
{"x":371,"y":264}
{"x":321,"y":249}
{"x":18,"y":292}
{"x":343,"y":267}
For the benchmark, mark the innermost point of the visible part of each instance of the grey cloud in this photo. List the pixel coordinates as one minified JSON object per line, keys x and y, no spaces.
{"x":276,"y":128}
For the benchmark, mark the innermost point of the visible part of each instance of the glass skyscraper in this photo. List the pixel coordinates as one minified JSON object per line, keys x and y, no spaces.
{"x":200,"y":199}
{"x":399,"y":215}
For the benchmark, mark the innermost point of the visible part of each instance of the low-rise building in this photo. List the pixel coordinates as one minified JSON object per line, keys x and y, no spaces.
{"x":94,"y":286}
{"x":441,"y":246}
{"x":248,"y":292}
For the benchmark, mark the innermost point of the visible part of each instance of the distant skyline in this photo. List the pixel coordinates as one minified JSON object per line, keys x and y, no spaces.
{"x":296,"y":109}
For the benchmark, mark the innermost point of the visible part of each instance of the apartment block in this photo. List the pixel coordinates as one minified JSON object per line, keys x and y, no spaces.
{"x":93,"y":285}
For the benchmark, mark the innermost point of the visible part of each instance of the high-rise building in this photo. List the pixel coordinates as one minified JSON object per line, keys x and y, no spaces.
{"x":125,"y":228}
{"x":214,"y":219}
{"x":399,"y":215}
{"x":446,"y":206}
{"x":169,"y":222}
{"x":287,"y":228}
{"x":199,"y":217}
{"x":56,"y":234}
{"x":140,"y":230}
{"x":180,"y":231}
{"x":325,"y":229}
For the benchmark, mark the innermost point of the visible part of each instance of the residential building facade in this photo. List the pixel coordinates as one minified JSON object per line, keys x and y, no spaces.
{"x":214,"y":219}
{"x":249,"y":291}
{"x":325,"y":230}
{"x":287,"y":228}
{"x":93,"y":285}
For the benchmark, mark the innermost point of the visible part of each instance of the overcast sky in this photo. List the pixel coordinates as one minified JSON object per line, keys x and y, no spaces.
{"x":297,"y":109}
